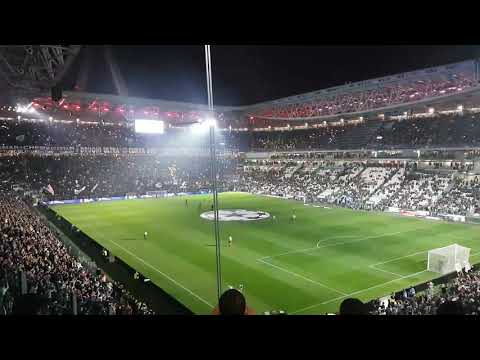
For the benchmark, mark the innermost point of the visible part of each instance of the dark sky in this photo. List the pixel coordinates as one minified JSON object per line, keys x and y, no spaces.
{"x":244,"y":75}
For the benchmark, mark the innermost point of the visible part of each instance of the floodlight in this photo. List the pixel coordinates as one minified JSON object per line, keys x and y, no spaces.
{"x":203,"y":126}
{"x":210,"y":122}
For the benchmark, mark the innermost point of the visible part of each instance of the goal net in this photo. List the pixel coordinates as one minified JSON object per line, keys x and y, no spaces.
{"x":448,"y":259}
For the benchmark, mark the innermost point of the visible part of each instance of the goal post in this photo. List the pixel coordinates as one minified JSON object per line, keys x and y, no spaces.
{"x":448,"y":259}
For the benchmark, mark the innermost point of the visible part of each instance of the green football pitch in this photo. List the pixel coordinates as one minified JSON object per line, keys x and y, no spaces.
{"x":303,"y":267}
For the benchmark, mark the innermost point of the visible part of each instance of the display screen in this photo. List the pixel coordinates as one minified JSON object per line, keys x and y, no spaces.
{"x":144,"y":126}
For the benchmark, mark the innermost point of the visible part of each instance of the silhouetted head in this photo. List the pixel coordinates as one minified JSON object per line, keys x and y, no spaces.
{"x":232,"y":302}
{"x":353,"y":307}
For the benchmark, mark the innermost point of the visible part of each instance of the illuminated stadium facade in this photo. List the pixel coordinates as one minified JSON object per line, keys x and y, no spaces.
{"x":433,"y":90}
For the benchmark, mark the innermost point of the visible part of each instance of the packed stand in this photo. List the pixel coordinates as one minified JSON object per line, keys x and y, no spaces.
{"x":370,"y":99}
{"x":463,"y":198}
{"x":420,"y":192}
{"x":457,"y":297}
{"x":28,"y":246}
{"x":86,"y":176}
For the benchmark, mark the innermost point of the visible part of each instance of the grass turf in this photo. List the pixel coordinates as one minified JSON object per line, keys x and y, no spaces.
{"x":306,"y":267}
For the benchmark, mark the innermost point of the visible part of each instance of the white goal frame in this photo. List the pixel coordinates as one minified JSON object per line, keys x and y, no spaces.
{"x":448,"y":259}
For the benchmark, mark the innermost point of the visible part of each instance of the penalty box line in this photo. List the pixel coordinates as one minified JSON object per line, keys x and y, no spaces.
{"x":374,"y":266}
{"x":338,"y":244}
{"x":301,"y":276}
{"x":163,"y":274}
{"x":371,"y":287}
{"x":356,"y":292}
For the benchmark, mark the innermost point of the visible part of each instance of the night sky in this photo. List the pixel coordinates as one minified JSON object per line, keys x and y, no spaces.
{"x":245,"y":75}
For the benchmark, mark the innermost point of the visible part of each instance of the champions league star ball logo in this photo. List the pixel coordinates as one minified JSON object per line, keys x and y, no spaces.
{"x":236,"y":215}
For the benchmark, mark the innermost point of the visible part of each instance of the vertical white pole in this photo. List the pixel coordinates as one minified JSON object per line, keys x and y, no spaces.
{"x":74,"y":304}
{"x":208,"y":65}
{"x":23,"y":283}
{"x":455,"y":257}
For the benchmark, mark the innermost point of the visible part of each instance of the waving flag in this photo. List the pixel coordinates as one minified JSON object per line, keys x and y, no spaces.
{"x":50,"y":189}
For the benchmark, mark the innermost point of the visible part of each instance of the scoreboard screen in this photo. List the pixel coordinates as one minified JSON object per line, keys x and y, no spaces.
{"x":144,"y":126}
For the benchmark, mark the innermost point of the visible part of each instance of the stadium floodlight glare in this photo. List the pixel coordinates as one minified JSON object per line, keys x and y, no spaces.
{"x":460,"y":107}
{"x":148,"y":126}
{"x":210,"y":122}
{"x":431,"y":110}
{"x":25,"y":109}
{"x":203,"y":126}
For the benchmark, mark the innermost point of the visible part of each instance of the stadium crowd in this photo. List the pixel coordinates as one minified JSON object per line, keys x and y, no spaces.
{"x":51,"y":273}
{"x":456,"y":297}
{"x":101,"y":175}
{"x":364,"y":184}
{"x":441,"y":130}
{"x":349,"y":102}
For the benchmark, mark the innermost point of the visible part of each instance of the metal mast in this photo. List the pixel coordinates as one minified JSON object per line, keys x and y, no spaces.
{"x":213,"y":161}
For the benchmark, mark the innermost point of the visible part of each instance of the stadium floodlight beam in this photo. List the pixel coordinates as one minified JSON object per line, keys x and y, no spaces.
{"x":204,"y":126}
{"x":211,"y":123}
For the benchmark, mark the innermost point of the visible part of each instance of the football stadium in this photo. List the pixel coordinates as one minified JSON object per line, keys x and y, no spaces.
{"x":362,"y":198}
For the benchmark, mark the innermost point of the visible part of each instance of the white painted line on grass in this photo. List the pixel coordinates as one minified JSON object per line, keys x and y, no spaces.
{"x":356,"y":292}
{"x":409,"y":255}
{"x":367,"y":238}
{"x":163,"y":274}
{"x":338,"y":244}
{"x":289,"y":252}
{"x":301,"y":276}
{"x":385,"y":271}
{"x":400,"y":257}
{"x":336,"y":237}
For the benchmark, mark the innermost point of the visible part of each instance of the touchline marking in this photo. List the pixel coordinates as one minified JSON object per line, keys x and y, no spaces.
{"x":163,"y":274}
{"x":301,"y":276}
{"x":355,"y":293}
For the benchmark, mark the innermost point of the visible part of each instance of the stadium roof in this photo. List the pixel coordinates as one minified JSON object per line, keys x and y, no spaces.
{"x":115,"y":100}
{"x":438,"y":72}
{"x":469,"y":68}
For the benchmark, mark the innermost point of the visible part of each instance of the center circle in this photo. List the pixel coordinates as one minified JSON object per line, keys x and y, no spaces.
{"x":236,"y":215}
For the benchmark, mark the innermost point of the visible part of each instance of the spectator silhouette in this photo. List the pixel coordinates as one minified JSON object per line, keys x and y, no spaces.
{"x":232,"y":302}
{"x":353,"y":307}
